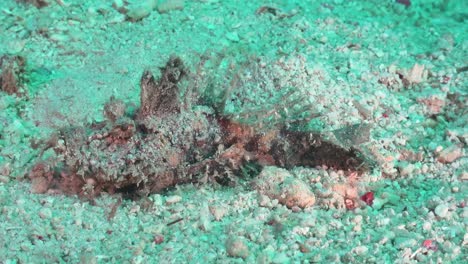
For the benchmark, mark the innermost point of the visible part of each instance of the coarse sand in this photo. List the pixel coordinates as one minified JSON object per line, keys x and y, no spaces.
{"x":387,"y":78}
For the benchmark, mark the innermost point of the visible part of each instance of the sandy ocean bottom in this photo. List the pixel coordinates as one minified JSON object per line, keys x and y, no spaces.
{"x":398,"y":70}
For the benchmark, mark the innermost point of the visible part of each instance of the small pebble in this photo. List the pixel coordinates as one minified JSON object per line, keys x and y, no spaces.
{"x":45,"y":213}
{"x":442,"y":210}
{"x":450,"y":154}
{"x":173,"y":199}
{"x":280,"y":184}
{"x":4,"y":179}
{"x":140,"y":10}
{"x":463,"y":176}
{"x":218,"y":212}
{"x":357,"y":219}
{"x":236,"y":248}
{"x":357,"y":228}
{"x":424,"y":168}
{"x":406,"y":169}
{"x":361,"y":250}
{"x":378,"y":203}
{"x":204,"y":222}
{"x":263,"y":200}
{"x":170,"y":5}
{"x":427,"y":226}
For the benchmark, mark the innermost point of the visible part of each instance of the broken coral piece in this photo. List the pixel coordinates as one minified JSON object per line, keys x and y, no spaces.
{"x":433,"y":104}
{"x":236,"y":247}
{"x":135,"y":10}
{"x":166,"y":6}
{"x":450,"y":154}
{"x":280,"y":184}
{"x":430,"y":244}
{"x":414,"y":76}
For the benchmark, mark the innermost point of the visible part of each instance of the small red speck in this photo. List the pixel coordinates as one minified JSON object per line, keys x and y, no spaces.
{"x":385,"y":115}
{"x":445,"y":79}
{"x":406,"y":3}
{"x":158,"y":239}
{"x":368,"y":198}
{"x":462,"y":204}
{"x":430,"y":244}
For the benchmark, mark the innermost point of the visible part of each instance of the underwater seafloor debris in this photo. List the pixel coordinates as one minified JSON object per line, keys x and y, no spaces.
{"x":36,"y":3}
{"x":165,"y":143}
{"x":12,"y":74}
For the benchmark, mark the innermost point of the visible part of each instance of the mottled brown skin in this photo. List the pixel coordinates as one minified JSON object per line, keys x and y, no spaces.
{"x":11,"y":74}
{"x":162,"y":146}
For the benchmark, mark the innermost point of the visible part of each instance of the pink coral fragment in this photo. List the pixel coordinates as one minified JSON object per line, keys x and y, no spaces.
{"x":430,"y":244}
{"x":368,"y":198}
